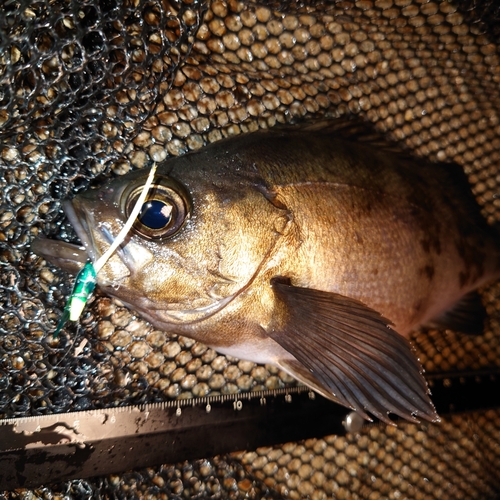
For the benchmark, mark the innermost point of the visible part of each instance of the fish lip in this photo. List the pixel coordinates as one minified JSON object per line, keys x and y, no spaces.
{"x":66,"y":256}
{"x":82,"y":221}
{"x":79,"y":220}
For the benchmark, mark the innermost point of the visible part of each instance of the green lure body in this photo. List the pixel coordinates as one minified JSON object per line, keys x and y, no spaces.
{"x":85,"y":283}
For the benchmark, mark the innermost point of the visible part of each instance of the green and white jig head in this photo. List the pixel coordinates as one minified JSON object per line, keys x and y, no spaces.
{"x":86,"y":279}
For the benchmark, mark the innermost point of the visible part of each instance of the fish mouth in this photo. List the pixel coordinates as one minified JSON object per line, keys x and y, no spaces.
{"x":66,"y":256}
{"x":71,"y":257}
{"x":81,"y":226}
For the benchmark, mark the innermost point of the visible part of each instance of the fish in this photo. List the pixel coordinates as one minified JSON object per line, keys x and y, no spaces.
{"x":317,"y":249}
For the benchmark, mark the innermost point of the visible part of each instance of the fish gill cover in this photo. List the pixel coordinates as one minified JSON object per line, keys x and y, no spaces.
{"x":92,"y":89}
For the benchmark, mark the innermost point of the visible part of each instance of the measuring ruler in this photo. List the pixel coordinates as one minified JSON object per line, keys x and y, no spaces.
{"x":54,"y":448}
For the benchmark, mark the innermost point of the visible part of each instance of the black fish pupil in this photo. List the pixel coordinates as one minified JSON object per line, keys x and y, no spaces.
{"x":155,"y":214}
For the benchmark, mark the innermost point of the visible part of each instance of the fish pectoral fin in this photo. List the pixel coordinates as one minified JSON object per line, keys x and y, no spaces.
{"x":306,"y":377}
{"x":467,"y":316}
{"x":349,"y":354}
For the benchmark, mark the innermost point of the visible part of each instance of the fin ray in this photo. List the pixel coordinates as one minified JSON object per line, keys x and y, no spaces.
{"x":351,"y":353}
{"x":467,"y":316}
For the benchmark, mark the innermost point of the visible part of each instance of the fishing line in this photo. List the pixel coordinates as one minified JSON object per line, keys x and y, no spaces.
{"x":98,"y":265}
{"x":86,"y":279}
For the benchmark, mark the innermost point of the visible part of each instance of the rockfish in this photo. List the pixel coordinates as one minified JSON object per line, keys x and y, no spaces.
{"x":316,"y":249}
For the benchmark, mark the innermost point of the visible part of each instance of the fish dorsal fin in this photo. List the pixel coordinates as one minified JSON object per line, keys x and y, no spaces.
{"x":354,"y":129}
{"x":351,"y":353}
{"x":466,"y":316}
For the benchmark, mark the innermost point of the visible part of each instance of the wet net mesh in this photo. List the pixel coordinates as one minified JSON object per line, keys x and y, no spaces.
{"x":98,"y":88}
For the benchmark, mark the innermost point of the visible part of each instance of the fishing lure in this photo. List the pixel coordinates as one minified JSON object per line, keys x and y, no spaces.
{"x":86,"y":279}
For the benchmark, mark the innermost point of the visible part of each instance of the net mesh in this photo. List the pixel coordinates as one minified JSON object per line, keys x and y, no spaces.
{"x":95,"y":89}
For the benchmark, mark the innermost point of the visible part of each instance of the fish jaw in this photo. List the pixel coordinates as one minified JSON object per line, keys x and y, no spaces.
{"x":81,"y":227}
{"x":96,"y":238}
{"x":66,"y":256}
{"x":182,"y":321}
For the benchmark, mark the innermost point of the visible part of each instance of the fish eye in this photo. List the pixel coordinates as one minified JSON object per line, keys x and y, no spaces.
{"x":164,"y":212}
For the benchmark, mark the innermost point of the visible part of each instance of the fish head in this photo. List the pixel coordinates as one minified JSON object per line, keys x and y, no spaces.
{"x":205,"y":232}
